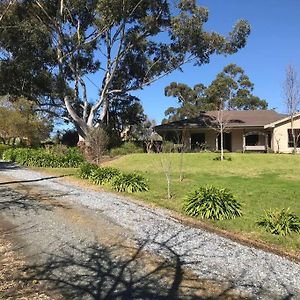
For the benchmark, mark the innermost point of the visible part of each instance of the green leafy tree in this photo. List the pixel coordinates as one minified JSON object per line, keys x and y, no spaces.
{"x":191,"y":101}
{"x":232,"y":89}
{"x":119,"y":40}
{"x":125,"y":116}
{"x":20,"y":120}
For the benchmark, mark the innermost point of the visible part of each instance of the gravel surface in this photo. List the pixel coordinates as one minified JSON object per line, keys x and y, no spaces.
{"x":263,"y":275}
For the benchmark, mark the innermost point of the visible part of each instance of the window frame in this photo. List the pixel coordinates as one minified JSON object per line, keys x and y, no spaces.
{"x":290,"y":137}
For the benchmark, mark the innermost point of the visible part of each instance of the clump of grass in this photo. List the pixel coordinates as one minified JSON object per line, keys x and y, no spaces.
{"x":130,"y":183}
{"x":120,"y":182}
{"x":103,"y":175}
{"x":86,"y":170}
{"x":280,"y":222}
{"x":210,"y":202}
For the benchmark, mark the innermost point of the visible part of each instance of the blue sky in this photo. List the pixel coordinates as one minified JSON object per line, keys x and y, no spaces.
{"x":273,"y":44}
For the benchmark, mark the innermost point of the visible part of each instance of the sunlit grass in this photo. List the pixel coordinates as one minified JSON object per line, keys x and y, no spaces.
{"x":259,"y":181}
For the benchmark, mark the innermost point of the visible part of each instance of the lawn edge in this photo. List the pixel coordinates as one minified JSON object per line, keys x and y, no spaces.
{"x":186,"y":220}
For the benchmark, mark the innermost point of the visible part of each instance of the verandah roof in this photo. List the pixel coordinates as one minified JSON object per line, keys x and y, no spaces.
{"x":234,"y":118}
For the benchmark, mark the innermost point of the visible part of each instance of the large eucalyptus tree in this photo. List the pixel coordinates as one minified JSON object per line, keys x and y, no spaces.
{"x":126,"y":44}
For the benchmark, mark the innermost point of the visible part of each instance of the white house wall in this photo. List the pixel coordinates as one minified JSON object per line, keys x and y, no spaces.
{"x":280,"y":136}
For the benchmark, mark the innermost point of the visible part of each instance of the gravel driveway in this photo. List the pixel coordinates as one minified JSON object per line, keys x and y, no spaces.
{"x":98,"y":245}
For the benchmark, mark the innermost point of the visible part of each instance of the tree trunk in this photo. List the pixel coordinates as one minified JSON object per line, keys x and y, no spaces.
{"x":168,"y":186}
{"x":181,"y":166}
{"x":294,"y":142}
{"x":222,"y":147}
{"x":83,"y":133}
{"x":293,"y":135}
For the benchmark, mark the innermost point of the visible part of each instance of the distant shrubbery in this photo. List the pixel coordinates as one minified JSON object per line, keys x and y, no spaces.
{"x":121,"y":182}
{"x":55,"y":157}
{"x":224,"y":158}
{"x":3,"y":148}
{"x":126,"y":148}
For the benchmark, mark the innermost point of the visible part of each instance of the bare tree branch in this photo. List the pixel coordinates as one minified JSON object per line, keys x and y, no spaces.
{"x":6,"y":9}
{"x":291,"y":88}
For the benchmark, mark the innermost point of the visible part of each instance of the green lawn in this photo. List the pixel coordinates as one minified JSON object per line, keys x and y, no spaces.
{"x":260,"y":182}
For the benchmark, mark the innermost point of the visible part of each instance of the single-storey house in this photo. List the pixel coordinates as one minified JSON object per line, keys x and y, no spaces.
{"x":249,"y":130}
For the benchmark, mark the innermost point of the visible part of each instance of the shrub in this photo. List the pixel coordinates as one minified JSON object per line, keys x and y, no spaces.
{"x":103,"y":175}
{"x":73,"y":159}
{"x":126,"y":148}
{"x":212,"y":203}
{"x":86,"y":170}
{"x":58,"y":149}
{"x":70,"y":138}
{"x":43,"y":158}
{"x":3,"y":148}
{"x":225,"y":158}
{"x":167,"y":147}
{"x":280,"y":222}
{"x":9,"y":154}
{"x":130,"y":183}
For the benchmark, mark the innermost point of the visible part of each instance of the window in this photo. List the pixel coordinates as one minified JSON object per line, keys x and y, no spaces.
{"x":197,"y":140}
{"x":297,"y":136}
{"x":173,"y":136}
{"x":252,"y":140}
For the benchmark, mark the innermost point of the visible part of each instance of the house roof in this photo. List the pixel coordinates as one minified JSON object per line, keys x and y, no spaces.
{"x":233,"y":118}
{"x":282,"y":120}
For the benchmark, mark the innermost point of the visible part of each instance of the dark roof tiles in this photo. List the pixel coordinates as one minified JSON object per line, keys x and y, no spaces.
{"x":234,"y":118}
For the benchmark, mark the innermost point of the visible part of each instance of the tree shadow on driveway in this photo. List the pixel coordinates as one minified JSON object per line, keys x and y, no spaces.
{"x":14,"y":202}
{"x":4,"y":166}
{"x":121,"y":272}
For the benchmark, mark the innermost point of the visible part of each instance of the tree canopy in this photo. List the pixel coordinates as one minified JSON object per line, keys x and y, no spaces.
{"x":232,"y":89}
{"x":20,"y":120}
{"x":49,"y":49}
{"x":125,"y":116}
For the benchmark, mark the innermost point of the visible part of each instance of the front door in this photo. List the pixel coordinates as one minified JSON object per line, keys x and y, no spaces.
{"x":226,"y":141}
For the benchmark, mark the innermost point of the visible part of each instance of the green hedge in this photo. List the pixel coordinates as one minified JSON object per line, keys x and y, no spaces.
{"x":3,"y":148}
{"x":126,"y":148}
{"x":44,"y":158}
